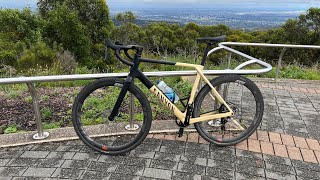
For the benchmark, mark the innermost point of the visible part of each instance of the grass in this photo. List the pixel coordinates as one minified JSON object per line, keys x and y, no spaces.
{"x":52,"y":125}
{"x":11,"y":129}
{"x":46,"y":113}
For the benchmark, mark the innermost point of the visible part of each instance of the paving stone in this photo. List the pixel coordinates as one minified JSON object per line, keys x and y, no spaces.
{"x":45,"y":147}
{"x":306,"y":165}
{"x":134,"y":161}
{"x":131,"y":170}
{"x":244,"y":176}
{"x":112,"y":159}
{"x":280,"y":168}
{"x":61,"y":155}
{"x":165,"y":156}
{"x":253,"y":162}
{"x":249,"y":154}
{"x":221,"y":164}
{"x":280,"y":150}
{"x":68,"y":173}
{"x":197,"y":146}
{"x":308,"y":155}
{"x":123,"y":177}
{"x":74,"y":142}
{"x":191,"y":168}
{"x":197,"y":153}
{"x":170,"y":165}
{"x":96,"y":175}
{"x":27,"y":178}
{"x":86,"y":156}
{"x":313,"y":144}
{"x":267,"y":148}
{"x":170,"y":150}
{"x":149,"y":147}
{"x":35,"y":154}
{"x":29,"y":162}
{"x":39,"y":172}
{"x":185,"y":176}
{"x":102,"y":166}
{"x":174,"y":144}
{"x":157,"y":173}
{"x":11,"y":171}
{"x":142,"y":154}
{"x":10,"y":154}
{"x":287,"y":140}
{"x":308,"y":173}
{"x":279,"y":175}
{"x":152,"y":141}
{"x":3,"y":162}
{"x":75,"y":164}
{"x":294,"y":153}
{"x":220,"y":173}
{"x":227,"y":154}
{"x":248,"y":169}
{"x":49,"y":163}
{"x":73,"y":148}
{"x":201,"y":161}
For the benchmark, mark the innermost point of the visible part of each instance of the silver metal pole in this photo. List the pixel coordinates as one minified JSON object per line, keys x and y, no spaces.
{"x":280,"y":62}
{"x":36,"y":109}
{"x":229,"y":59}
{"x":132,"y":126}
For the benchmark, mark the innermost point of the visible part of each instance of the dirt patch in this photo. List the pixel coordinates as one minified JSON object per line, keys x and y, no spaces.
{"x":19,"y":110}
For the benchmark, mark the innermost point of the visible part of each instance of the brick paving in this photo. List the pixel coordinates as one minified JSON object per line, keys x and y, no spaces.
{"x":286,"y":146}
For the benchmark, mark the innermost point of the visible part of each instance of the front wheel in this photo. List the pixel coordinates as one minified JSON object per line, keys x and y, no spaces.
{"x":90,"y":117}
{"x":245,"y":99}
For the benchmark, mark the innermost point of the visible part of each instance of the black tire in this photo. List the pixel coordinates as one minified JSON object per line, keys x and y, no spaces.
{"x":93,"y":127}
{"x":239,"y":124}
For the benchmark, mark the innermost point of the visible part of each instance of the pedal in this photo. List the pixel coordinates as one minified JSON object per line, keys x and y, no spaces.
{"x":180,"y":133}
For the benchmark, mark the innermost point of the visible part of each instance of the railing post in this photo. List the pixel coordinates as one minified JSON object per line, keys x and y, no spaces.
{"x":131,"y":126}
{"x":229,"y":60}
{"x":280,"y":62}
{"x":36,"y":109}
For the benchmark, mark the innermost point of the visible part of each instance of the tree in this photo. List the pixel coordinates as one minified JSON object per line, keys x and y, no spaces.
{"x":19,"y":31}
{"x":93,"y":15}
{"x":311,"y":20}
{"x":64,"y":27}
{"x":126,"y":17}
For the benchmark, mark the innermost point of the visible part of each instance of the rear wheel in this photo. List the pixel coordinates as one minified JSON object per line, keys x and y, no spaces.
{"x":90,"y":117}
{"x":246,"y":100}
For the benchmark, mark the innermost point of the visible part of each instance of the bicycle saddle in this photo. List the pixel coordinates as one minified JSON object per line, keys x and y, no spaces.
{"x":211,"y":39}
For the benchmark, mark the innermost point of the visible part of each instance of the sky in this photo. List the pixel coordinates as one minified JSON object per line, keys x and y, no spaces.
{"x":181,"y":3}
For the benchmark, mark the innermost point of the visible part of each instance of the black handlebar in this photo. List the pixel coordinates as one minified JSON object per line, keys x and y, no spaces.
{"x":118,"y":47}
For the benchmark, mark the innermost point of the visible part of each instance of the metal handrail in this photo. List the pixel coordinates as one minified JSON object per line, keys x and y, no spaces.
{"x":224,"y":45}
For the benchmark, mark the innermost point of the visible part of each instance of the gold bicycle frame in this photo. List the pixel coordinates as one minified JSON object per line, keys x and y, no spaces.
{"x":182,"y":116}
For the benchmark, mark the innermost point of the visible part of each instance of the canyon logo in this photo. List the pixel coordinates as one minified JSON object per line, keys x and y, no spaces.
{"x":163,"y":98}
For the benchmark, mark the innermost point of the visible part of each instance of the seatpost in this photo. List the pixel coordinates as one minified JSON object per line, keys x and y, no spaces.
{"x":205,"y":54}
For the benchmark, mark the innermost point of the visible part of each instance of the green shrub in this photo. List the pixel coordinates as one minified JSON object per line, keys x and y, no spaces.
{"x":11,"y":129}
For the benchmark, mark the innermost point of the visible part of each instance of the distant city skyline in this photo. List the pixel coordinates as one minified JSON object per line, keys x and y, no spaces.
{"x":125,"y":4}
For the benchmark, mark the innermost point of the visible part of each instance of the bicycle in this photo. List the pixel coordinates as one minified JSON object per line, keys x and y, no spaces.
{"x":100,"y":110}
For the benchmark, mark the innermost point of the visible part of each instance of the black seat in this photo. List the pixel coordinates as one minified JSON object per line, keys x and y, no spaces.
{"x":211,"y":39}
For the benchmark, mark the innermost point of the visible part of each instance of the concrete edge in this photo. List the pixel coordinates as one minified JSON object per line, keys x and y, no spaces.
{"x":68,"y":133}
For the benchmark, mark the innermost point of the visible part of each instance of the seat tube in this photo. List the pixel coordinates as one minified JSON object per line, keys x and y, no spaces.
{"x":205,"y":54}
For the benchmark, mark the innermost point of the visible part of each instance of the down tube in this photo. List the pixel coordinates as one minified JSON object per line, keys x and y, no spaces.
{"x":163,"y":98}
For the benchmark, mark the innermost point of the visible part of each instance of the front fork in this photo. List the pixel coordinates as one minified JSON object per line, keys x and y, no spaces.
{"x":122,"y":94}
